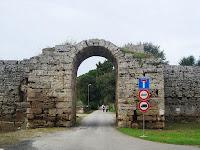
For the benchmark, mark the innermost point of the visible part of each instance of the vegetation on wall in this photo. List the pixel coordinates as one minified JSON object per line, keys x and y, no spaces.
{"x":150,"y":50}
{"x":155,"y":51}
{"x":189,"y":61}
{"x":136,"y":54}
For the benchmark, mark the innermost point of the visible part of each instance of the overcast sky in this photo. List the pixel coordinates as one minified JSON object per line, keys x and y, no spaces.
{"x":27,"y":26}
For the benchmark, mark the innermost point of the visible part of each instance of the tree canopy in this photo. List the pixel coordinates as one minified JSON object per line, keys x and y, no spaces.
{"x":149,"y":48}
{"x":189,"y":61}
{"x":102,"y":89}
{"x":155,"y":51}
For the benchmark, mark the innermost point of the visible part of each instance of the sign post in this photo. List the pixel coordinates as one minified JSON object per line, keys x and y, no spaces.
{"x":143,"y":95}
{"x":143,"y":127}
{"x":143,"y":106}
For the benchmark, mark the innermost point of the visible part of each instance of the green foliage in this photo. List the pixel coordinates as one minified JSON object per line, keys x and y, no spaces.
{"x":155,"y":51}
{"x":106,"y":87}
{"x":111,"y":107}
{"x":189,"y":61}
{"x":150,"y":50}
{"x":103,"y":68}
{"x":102,"y":89}
{"x":136,"y":54}
{"x":82,"y":86}
{"x":174,"y":133}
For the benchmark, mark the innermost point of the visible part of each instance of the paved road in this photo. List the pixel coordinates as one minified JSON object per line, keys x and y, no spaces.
{"x":95,"y":133}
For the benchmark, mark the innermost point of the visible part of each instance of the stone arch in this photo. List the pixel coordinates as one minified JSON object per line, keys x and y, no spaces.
{"x":95,"y":47}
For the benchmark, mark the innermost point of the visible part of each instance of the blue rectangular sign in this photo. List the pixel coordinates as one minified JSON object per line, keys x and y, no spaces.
{"x":143,"y":83}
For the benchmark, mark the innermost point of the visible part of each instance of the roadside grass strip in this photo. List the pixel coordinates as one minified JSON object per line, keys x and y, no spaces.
{"x":174,"y":133}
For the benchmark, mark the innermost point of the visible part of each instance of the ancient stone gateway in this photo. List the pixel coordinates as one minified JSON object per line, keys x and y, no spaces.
{"x":40,"y":91}
{"x":51,"y":84}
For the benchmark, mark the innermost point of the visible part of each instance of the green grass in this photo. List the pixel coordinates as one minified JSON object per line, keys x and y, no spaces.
{"x":135,"y":54}
{"x":174,"y":133}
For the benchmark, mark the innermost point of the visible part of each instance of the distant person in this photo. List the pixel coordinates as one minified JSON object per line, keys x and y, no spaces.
{"x":103,"y":107}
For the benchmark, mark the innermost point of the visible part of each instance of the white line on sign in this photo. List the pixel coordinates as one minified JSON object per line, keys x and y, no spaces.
{"x":143,"y":94}
{"x":143,"y":83}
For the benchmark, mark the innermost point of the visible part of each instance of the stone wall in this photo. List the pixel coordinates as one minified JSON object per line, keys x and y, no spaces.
{"x":134,"y":69}
{"x":182,"y":93}
{"x":51,"y":85}
{"x":49,"y":91}
{"x":13,"y":79}
{"x":41,"y":91}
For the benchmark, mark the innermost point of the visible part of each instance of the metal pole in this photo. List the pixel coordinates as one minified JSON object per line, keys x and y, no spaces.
{"x":143,"y":124}
{"x":88,"y":94}
{"x":143,"y":127}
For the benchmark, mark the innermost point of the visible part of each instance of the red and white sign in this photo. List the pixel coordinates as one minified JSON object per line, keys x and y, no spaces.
{"x":143,"y":95}
{"x":143,"y":106}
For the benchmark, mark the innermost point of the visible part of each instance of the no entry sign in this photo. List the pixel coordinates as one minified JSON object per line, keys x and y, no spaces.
{"x":143,"y":106}
{"x":143,"y":94}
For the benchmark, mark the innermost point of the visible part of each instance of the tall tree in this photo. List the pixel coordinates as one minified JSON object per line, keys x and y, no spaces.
{"x":102,"y":89}
{"x":155,"y":51}
{"x":82,"y":87}
{"x":187,"y":61}
{"x":104,"y":67}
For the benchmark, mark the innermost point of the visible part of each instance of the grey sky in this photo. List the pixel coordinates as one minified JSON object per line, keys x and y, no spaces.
{"x":27,"y":26}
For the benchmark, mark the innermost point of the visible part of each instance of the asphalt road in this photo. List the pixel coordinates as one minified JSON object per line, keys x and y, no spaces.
{"x":96,"y":132}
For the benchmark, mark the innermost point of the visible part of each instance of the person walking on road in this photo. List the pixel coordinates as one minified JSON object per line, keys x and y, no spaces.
{"x":103,"y":107}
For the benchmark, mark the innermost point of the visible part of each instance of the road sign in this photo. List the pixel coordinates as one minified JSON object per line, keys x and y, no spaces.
{"x":143,"y":94}
{"x":143,"y":83}
{"x":143,"y":106}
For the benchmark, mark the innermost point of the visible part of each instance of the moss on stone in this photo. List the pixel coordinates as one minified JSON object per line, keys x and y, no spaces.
{"x":140,"y":55}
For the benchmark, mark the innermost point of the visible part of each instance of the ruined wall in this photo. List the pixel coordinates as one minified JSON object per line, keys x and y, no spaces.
{"x":49,"y":91}
{"x":42,"y":89}
{"x":182,"y":93}
{"x":129,"y":72}
{"x":51,"y":86}
{"x":13,"y":78}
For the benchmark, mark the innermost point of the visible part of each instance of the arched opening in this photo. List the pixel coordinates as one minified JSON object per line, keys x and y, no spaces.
{"x":94,"y":90}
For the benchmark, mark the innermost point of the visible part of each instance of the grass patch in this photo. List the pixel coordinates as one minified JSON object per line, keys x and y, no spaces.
{"x":135,"y":54}
{"x":10,"y":138}
{"x":174,"y":133}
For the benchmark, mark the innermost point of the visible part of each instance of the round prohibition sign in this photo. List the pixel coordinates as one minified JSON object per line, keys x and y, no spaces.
{"x":143,"y":106}
{"x":143,"y":95}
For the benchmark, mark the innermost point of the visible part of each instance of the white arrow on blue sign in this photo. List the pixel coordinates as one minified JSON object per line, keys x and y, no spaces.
{"x":143,"y":83}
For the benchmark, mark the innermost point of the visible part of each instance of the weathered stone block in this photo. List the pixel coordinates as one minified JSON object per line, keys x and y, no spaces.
{"x":52,"y":112}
